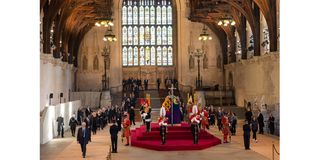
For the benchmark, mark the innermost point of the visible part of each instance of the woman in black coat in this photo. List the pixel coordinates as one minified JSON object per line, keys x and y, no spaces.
{"x":254,"y":125}
{"x":261,"y":123}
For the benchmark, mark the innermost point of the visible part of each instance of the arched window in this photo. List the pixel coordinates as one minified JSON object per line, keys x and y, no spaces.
{"x":147,"y":33}
{"x":84,"y":63}
{"x":96,"y":63}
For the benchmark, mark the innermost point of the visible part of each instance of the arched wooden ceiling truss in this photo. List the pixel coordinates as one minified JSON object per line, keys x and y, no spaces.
{"x":241,"y":11}
{"x":72,"y":19}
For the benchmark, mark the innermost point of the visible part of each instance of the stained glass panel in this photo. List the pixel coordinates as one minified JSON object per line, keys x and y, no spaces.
{"x":159,"y":60}
{"x":153,"y":56}
{"x":164,"y":15}
{"x":158,"y":15}
{"x":124,"y":56}
{"x":124,"y":15}
{"x":135,"y":15}
{"x":169,"y":11}
{"x":169,"y":35}
{"x":152,"y":15}
{"x":141,"y":15}
{"x":141,"y":35}
{"x":158,"y":35}
{"x":146,"y":15}
{"x":141,"y":56}
{"x":147,"y":56}
{"x":130,"y":36}
{"x":135,"y":56}
{"x":164,"y":35}
{"x":164,"y":56}
{"x":147,"y":35}
{"x":129,"y":15}
{"x":153,"y":35}
{"x":130,"y":61}
{"x":170,"y":56}
{"x":135,"y":35}
{"x":124,"y":36}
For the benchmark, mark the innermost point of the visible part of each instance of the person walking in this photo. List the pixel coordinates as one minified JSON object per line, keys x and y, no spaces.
{"x":60,"y":128}
{"x":83,"y":138}
{"x":261,"y":123}
{"x":271,"y":123}
{"x":254,"y":126}
{"x":126,"y":128}
{"x":246,"y":135}
{"x":114,"y":136}
{"x":234,"y":121}
{"x":73,"y":124}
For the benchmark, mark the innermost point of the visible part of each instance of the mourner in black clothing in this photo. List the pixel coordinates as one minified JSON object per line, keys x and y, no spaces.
{"x":60,"y":126}
{"x":73,"y":124}
{"x":79,"y":116}
{"x":114,"y":136}
{"x":94,"y":123}
{"x":83,"y":138}
{"x":261,"y":123}
{"x":158,"y":83}
{"x":271,"y":124}
{"x":254,"y":126}
{"x":132,"y":116}
{"x":248,"y":115}
{"x":118,"y":119}
{"x":246,"y":135}
{"x":88,"y":121}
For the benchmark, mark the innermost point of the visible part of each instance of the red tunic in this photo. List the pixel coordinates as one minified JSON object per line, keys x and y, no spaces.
{"x":225,"y":124}
{"x":126,"y":127}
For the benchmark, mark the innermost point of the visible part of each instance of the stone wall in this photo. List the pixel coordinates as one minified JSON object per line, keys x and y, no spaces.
{"x":255,"y":80}
{"x":55,"y":77}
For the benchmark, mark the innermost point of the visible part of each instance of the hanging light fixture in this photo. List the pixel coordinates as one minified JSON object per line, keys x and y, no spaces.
{"x":109,"y":36}
{"x":225,"y":22}
{"x":204,"y":35}
{"x":104,"y":22}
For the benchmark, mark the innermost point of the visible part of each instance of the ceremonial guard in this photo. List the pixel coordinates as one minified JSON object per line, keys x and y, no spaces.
{"x":126,"y":128}
{"x":195,"y":120}
{"x":225,"y":128}
{"x":204,"y":115}
{"x":163,"y":128}
{"x":148,"y":118}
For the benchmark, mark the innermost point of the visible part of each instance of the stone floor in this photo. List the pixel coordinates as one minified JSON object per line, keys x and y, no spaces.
{"x":68,"y":149}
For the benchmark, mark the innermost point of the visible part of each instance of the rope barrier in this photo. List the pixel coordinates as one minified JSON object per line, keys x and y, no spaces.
{"x":274,"y":150}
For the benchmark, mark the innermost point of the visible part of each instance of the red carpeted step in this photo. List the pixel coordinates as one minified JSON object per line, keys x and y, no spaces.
{"x":178,"y":138}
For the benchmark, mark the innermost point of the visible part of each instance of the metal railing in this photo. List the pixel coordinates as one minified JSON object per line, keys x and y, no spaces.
{"x":274,"y":150}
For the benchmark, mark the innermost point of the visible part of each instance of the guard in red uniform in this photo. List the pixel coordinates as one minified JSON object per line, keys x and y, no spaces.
{"x":204,"y":119}
{"x":126,"y":128}
{"x":225,"y":128}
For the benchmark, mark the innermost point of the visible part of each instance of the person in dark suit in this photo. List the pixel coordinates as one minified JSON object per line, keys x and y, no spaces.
{"x":271,"y":124}
{"x":132,"y":116}
{"x":114,"y":136}
{"x":83,"y":138}
{"x":73,"y":124}
{"x":246,"y":135}
{"x":261,"y":123}
{"x":248,"y":115}
{"x":158,"y":83}
{"x":60,"y":126}
{"x":88,"y":121}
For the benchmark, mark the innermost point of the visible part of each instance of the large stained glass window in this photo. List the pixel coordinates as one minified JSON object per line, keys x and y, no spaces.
{"x":147,"y":33}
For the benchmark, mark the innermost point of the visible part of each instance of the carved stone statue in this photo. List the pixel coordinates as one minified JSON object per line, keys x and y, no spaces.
{"x":205,"y":61}
{"x":191,"y":62}
{"x":96,"y":63}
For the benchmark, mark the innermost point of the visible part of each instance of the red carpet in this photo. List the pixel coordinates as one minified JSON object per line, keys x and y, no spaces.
{"x":178,"y":138}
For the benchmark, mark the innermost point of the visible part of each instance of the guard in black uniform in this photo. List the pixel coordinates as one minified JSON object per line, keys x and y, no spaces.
{"x":195,"y":132}
{"x":163,"y":131}
{"x":246,"y":135}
